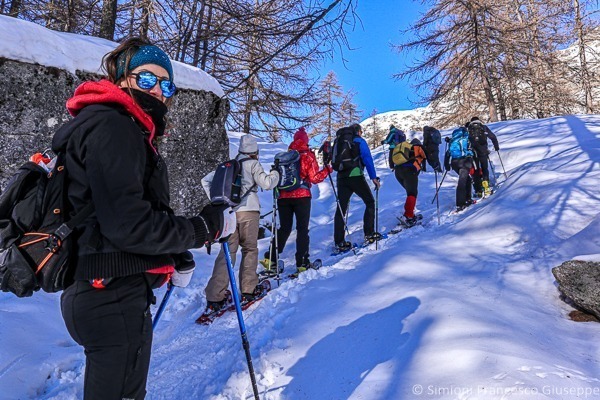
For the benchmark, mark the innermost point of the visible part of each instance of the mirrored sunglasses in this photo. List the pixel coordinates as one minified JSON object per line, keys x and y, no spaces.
{"x":147,"y":80}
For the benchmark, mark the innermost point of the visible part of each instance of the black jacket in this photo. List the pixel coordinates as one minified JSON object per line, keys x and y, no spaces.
{"x":110,"y":163}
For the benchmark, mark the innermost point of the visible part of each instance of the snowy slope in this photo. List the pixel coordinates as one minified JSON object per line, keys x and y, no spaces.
{"x":467,"y":309}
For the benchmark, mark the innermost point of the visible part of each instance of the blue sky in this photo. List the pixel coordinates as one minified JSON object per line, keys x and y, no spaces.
{"x":372,"y":62}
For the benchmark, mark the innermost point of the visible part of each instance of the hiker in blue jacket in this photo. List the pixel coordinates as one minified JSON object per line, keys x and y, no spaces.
{"x":352,"y":180}
{"x":395,"y":137}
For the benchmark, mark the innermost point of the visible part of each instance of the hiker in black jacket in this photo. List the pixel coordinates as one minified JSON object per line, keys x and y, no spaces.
{"x":132,"y":242}
{"x":479,"y":134}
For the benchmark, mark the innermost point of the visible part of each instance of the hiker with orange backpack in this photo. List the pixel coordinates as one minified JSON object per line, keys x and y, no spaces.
{"x":408,"y":158}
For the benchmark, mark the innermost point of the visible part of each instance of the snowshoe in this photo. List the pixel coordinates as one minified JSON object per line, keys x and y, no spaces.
{"x":373,"y":238}
{"x":270,"y":270}
{"x":313,"y":265}
{"x":344,"y":247}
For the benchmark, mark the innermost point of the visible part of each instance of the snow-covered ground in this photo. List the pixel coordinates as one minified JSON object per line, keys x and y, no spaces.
{"x":464,"y":309}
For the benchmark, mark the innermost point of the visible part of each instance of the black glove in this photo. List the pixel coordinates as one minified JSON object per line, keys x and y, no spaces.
{"x":447,"y":139}
{"x":184,"y":269}
{"x":212,"y":215}
{"x":497,"y":148}
{"x":184,"y":261}
{"x":326,"y":158}
{"x":383,"y":142}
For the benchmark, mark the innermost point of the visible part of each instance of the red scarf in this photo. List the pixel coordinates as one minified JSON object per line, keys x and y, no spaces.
{"x":102,"y":92}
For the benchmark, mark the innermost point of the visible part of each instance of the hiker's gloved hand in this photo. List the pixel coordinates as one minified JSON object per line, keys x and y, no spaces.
{"x":377,"y":183}
{"x":220,"y":221}
{"x":383,"y":142}
{"x":447,"y":139}
{"x":184,"y":269}
{"x":497,"y":148}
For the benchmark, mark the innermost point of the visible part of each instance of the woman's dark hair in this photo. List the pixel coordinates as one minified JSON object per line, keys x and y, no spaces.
{"x":126,"y":49}
{"x":356,"y":128}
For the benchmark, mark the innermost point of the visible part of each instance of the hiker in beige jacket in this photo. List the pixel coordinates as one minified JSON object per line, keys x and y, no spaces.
{"x":246,"y":234}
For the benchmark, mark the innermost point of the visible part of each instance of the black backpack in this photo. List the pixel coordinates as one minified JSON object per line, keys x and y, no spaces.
{"x":36,"y":241}
{"x":477,"y":133}
{"x":288,"y":164}
{"x":346,"y":154}
{"x":226,"y":185}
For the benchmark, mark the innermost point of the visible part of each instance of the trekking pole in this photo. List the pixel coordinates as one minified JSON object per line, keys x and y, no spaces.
{"x":438,"y":189}
{"x":493,"y":171}
{"x":163,"y":305}
{"x":273,"y":249}
{"x":276,"y":239}
{"x":337,"y":200}
{"x":238,"y":309}
{"x":437,"y":197}
{"x":376,"y":214}
{"x":501,"y":163}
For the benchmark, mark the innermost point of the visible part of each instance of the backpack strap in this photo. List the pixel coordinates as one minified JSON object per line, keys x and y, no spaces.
{"x":65,"y":229}
{"x":242,"y":197}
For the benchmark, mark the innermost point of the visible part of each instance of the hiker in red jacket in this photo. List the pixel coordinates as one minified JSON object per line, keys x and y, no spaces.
{"x":297,"y":202}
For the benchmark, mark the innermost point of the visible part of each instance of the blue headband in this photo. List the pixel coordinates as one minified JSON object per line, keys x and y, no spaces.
{"x":147,"y":54}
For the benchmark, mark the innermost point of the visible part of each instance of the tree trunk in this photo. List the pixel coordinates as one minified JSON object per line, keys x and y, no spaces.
{"x":108,"y":20}
{"x":15,"y":8}
{"x":145,"y":24}
{"x":585,"y":74}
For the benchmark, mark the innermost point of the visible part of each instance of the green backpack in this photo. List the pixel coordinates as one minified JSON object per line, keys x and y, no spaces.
{"x":403,"y":153}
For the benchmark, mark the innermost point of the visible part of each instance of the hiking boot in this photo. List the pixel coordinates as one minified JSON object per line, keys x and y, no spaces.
{"x":214,"y":306}
{"x":486,"y":187}
{"x":268,"y":265}
{"x":247,"y":297}
{"x":343,"y":246}
{"x":465,"y":205}
{"x":409,"y":222}
{"x":304,"y":265}
{"x":373,"y":238}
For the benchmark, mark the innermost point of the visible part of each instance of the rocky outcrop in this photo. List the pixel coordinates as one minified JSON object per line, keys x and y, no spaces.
{"x":32,"y":107}
{"x":579,"y":282}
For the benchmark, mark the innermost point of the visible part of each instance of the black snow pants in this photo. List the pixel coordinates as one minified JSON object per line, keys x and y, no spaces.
{"x":346,"y":187}
{"x":288,"y":208}
{"x":462,"y":167}
{"x":114,"y":326}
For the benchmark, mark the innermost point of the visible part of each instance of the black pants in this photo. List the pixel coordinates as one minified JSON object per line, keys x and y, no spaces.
{"x":288,"y":208}
{"x":463,"y":190}
{"x":114,"y":326}
{"x":483,"y":164}
{"x":346,"y":187}
{"x":433,"y":157}
{"x":390,"y":161}
{"x":408,"y":177}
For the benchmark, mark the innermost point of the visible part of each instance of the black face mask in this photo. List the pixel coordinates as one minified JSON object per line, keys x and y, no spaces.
{"x":155,"y":108}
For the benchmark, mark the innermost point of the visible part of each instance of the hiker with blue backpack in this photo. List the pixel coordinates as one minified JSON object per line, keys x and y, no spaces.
{"x":245,"y":236}
{"x":297,"y":203}
{"x":351,"y":155}
{"x":395,"y":137}
{"x":459,"y":157}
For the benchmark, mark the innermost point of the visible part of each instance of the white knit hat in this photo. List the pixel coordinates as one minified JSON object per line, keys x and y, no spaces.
{"x":248,"y":144}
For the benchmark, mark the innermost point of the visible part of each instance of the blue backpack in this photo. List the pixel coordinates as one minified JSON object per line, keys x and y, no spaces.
{"x":460,"y":147}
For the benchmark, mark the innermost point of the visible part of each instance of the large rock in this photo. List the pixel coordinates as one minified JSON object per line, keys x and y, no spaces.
{"x":32,"y":107}
{"x":579,"y":281}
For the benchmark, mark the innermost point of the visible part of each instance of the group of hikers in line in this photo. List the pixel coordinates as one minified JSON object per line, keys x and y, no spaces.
{"x":349,"y":156}
{"x":132,"y":242}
